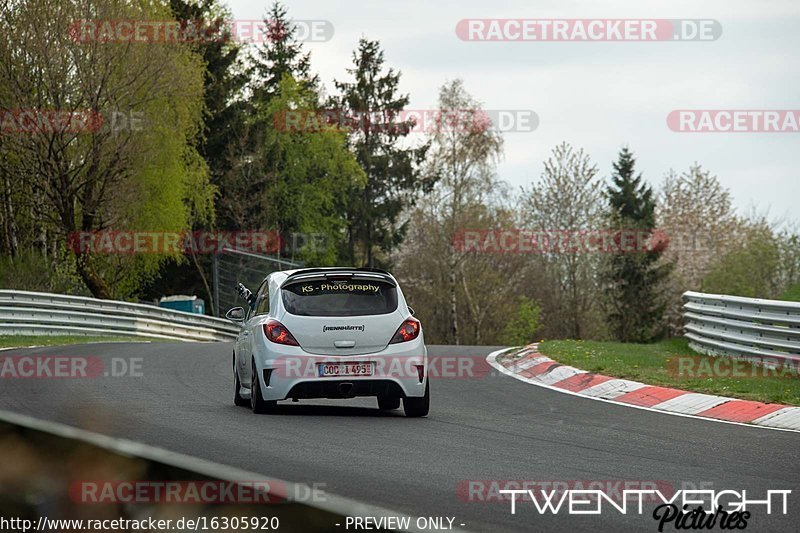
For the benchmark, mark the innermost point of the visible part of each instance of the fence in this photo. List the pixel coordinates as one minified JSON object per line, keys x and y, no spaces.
{"x":749,"y":328}
{"x":36,"y":313}
{"x":231,"y":267}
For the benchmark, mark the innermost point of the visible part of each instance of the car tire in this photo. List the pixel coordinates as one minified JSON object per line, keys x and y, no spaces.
{"x":257,"y":402}
{"x":388,"y":403}
{"x":237,"y":387}
{"x":418,"y":407}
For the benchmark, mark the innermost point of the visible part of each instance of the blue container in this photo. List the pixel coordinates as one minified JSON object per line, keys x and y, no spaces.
{"x":187,"y":304}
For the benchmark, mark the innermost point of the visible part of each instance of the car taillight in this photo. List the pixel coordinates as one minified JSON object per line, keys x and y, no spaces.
{"x":408,"y":331}
{"x":277,"y":333}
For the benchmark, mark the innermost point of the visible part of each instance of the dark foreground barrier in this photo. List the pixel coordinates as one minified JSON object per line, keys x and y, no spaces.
{"x":51,"y":473}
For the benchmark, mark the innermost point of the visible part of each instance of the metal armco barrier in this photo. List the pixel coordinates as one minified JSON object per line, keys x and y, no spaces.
{"x":38,"y":313}
{"x":742,"y":327}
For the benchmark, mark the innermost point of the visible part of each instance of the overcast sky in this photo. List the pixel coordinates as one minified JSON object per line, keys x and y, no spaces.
{"x":596,"y":95}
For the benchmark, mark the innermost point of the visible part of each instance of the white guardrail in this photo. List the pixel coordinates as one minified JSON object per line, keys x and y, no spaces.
{"x":38,"y":313}
{"x":749,"y":328}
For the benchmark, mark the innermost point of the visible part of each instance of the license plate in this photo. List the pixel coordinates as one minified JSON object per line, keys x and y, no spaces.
{"x":332,"y":370}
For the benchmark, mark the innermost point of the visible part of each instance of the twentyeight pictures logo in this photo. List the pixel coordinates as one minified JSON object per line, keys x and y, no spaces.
{"x":685,"y":509}
{"x":635,"y":30}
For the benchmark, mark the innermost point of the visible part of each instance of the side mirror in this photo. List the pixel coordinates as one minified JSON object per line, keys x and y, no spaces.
{"x":411,"y":310}
{"x":235,"y":315}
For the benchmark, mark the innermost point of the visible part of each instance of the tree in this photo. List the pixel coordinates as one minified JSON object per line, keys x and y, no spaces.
{"x":696,"y":215}
{"x":223,"y":81}
{"x":634,"y":277}
{"x":488,"y":284}
{"x":223,"y":120}
{"x":307,"y":175}
{"x":751,"y":269}
{"x":66,"y":180}
{"x":281,"y":54}
{"x":242,"y":176}
{"x":462,"y":158}
{"x":565,"y":201}
{"x":789,"y":279}
{"x":257,"y":185}
{"x":372,"y":105}
{"x":764,"y":262}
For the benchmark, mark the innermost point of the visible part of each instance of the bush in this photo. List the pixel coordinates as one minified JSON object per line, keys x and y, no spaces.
{"x":752,"y":270}
{"x":522,"y":327}
{"x":30,"y":270}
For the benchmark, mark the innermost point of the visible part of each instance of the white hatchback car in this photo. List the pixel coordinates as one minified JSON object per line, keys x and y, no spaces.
{"x":329,"y":333}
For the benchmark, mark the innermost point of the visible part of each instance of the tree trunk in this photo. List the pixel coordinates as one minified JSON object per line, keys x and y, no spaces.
{"x":368,"y":230}
{"x":10,"y":229}
{"x":95,"y":283}
{"x":453,"y":307}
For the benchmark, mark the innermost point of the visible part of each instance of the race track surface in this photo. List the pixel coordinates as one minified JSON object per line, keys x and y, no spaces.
{"x":485,"y":428}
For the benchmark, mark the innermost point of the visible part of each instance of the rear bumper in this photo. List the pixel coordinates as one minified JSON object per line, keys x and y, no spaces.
{"x":343,"y":388}
{"x":399,"y":370}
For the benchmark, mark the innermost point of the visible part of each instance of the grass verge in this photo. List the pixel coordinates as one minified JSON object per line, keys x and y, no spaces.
{"x":13,"y":341}
{"x":661,"y":364}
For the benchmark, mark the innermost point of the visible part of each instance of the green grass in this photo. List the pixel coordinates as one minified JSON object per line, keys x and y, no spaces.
{"x":9,"y":341}
{"x":649,"y":363}
{"x":793,"y":294}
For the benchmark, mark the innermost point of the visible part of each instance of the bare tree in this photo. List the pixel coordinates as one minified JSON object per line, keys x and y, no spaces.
{"x":567,"y":198}
{"x":463,"y":153}
{"x":696,"y":217}
{"x":462,"y":156}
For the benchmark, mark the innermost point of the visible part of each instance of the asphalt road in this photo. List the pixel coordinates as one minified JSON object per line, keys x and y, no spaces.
{"x":484,"y":428}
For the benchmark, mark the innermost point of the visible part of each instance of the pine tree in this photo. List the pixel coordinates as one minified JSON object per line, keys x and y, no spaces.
{"x":634,"y":272}
{"x":372,"y":104}
{"x":255,"y":165}
{"x":281,"y":54}
{"x":223,"y":83}
{"x":222,"y":121}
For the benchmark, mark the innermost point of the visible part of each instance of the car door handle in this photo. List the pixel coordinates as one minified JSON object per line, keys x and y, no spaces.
{"x":344,"y":344}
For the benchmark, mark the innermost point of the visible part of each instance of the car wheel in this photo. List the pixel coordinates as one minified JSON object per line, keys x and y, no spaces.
{"x":417,"y":407}
{"x":237,"y":387}
{"x":257,"y":402}
{"x":387,"y":403}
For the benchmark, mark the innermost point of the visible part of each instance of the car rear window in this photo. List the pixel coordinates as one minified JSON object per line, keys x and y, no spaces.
{"x":340,"y":298}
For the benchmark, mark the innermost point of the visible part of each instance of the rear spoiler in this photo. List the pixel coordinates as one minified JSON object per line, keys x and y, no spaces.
{"x":327,"y":274}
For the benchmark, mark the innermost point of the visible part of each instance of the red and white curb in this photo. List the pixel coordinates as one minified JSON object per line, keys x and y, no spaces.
{"x":528,"y":365}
